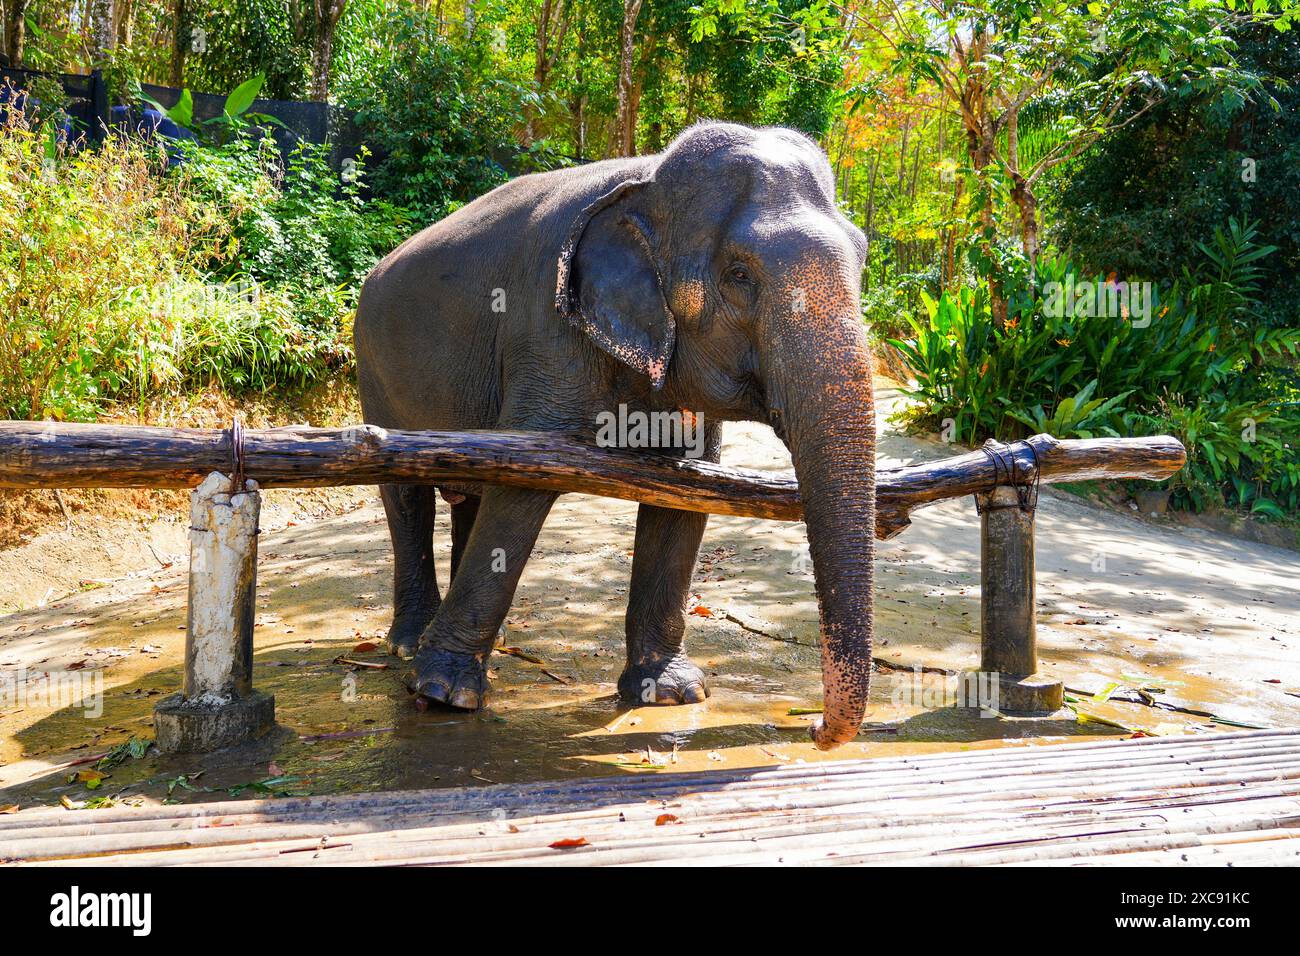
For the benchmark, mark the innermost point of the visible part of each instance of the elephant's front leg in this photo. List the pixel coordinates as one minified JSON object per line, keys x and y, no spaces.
{"x":451,"y":666}
{"x":658,"y":670}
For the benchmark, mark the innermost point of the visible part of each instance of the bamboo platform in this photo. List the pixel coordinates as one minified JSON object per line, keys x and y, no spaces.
{"x":1231,"y":798}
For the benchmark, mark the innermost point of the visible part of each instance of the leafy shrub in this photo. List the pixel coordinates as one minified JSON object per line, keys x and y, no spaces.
{"x":1204,"y":368}
{"x":120,"y":280}
{"x":83,"y":239}
{"x":301,"y":234}
{"x":1242,"y":455}
{"x":1142,"y":197}
{"x":439,"y":122}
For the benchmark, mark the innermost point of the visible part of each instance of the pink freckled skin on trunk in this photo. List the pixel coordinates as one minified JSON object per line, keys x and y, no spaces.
{"x":825,"y":369}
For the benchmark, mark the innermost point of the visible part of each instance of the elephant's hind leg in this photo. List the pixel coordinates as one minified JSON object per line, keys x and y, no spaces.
{"x":658,"y":670}
{"x":410,"y":510}
{"x":451,"y":666}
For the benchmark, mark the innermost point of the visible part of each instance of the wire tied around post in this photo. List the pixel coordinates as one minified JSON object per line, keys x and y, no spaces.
{"x":236,"y":456}
{"x":1006,"y":471}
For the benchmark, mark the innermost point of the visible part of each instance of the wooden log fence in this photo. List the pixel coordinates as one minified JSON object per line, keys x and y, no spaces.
{"x":59,"y":455}
{"x":227,"y":467}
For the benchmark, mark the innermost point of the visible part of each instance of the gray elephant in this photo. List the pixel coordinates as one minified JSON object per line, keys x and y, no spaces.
{"x":719,"y":277}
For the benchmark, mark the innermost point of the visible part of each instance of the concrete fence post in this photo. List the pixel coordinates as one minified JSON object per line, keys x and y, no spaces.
{"x":218,"y":706}
{"x":1008,"y":637}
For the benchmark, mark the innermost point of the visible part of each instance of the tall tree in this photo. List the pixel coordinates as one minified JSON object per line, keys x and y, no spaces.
{"x":103,"y":29}
{"x":124,"y":18}
{"x":1094,"y":68}
{"x":180,"y":43}
{"x":625,"y":126}
{"x":551,"y":24}
{"x":327,"y":15}
{"x":14,"y":23}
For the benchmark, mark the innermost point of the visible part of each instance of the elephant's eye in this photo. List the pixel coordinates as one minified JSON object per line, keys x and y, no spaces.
{"x":739,"y":274}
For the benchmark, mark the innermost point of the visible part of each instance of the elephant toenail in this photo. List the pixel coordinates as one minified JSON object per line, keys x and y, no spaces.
{"x":695,"y":694}
{"x":465,"y":699}
{"x":434,"y":690}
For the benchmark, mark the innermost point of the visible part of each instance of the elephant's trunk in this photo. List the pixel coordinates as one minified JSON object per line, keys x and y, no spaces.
{"x":824,"y":380}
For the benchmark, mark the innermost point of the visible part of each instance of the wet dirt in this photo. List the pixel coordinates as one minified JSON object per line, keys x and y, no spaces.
{"x":1187,"y":618}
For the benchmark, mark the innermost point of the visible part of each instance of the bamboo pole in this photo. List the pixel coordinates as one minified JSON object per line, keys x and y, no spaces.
{"x":63,"y":455}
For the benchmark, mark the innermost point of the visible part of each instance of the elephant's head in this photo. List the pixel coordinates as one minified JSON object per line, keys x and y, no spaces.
{"x":724,"y":273}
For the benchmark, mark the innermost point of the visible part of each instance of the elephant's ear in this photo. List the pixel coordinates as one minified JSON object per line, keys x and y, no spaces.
{"x":608,"y":286}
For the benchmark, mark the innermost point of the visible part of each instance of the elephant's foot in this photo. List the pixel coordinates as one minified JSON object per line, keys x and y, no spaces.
{"x":448,"y":677}
{"x":671,"y":679}
{"x":404,"y":637}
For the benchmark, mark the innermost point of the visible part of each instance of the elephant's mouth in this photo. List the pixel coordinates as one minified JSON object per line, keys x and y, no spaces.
{"x":777,"y":421}
{"x":762,"y":408}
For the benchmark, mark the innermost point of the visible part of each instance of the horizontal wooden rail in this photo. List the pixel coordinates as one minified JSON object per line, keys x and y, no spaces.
{"x":61,"y":455}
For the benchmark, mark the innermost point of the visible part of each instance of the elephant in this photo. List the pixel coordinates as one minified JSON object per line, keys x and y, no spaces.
{"x":717,"y":277}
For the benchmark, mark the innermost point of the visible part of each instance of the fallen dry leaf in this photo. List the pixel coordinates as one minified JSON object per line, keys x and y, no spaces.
{"x":93,"y":779}
{"x":568,"y":844}
{"x":665,"y":818}
{"x":364,"y":647}
{"x":701,"y":610}
{"x":11,"y":808}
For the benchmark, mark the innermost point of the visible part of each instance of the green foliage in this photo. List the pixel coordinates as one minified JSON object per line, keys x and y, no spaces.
{"x":1196,"y":370}
{"x":227,"y":40}
{"x":46,"y":101}
{"x":235,"y":118}
{"x":302,"y":240}
{"x":85,"y":242}
{"x":1076,"y":415}
{"x":121,"y":281}
{"x":774,"y":62}
{"x":444,"y":129}
{"x":1174,"y":175}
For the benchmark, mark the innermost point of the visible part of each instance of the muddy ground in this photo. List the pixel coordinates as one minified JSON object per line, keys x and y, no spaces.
{"x":1185,"y":618}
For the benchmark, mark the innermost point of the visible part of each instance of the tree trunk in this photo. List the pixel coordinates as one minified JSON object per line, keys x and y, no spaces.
{"x":625,"y":128}
{"x":950,"y":235}
{"x":125,"y":16}
{"x":552,"y":24}
{"x":649,"y":51}
{"x":1022,"y":195}
{"x":981,"y":143}
{"x":103,"y":29}
{"x":902,"y":153}
{"x":869,"y":217}
{"x":15,"y":27}
{"x":180,"y":44}
{"x":328,"y":13}
{"x":578,"y":102}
